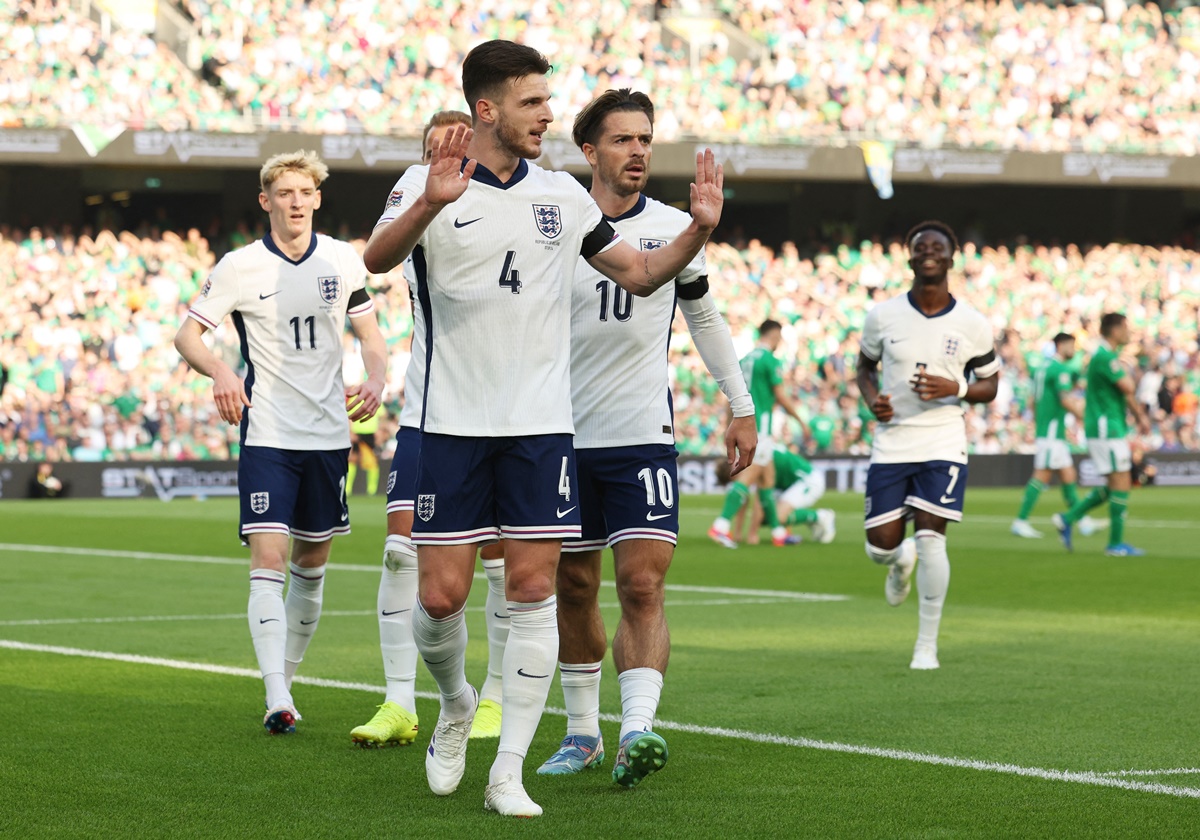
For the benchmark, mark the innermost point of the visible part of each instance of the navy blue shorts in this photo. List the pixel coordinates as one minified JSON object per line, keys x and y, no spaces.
{"x":474,"y":489}
{"x":627,"y":492}
{"x":896,"y":491}
{"x":293,"y":492}
{"x":402,"y":478}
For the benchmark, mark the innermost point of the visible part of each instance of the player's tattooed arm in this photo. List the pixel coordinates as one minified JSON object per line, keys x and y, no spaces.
{"x":868,"y":385}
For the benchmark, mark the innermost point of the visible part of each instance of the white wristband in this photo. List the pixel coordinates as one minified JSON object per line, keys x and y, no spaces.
{"x":962,"y":389}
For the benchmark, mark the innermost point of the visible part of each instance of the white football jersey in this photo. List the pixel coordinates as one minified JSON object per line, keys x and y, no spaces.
{"x":953,"y":343}
{"x":620,"y":391}
{"x":414,"y":374}
{"x":290,"y":317}
{"x":493,"y":274}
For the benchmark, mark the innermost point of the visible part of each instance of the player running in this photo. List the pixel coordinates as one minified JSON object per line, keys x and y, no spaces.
{"x":495,"y":241}
{"x":1110,"y":390}
{"x":289,"y":295}
{"x":625,"y":448}
{"x":1053,"y":385}
{"x":764,"y":373}
{"x":929,"y":345}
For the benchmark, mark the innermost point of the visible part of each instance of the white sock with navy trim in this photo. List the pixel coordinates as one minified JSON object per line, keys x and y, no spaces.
{"x":529,"y":659}
{"x":498,"y":624}
{"x":268,"y":631}
{"x":581,"y":696}
{"x":443,"y":646}
{"x":933,"y":580}
{"x":641,"y":689}
{"x":396,"y":601}
{"x":305,"y":592}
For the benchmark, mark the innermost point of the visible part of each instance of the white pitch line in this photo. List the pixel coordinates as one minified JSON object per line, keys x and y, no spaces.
{"x":352,"y":567}
{"x":1177,"y":771}
{"x":131,"y":619}
{"x":1078,"y":777}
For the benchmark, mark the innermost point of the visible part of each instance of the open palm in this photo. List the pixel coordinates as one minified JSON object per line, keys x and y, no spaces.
{"x":708,"y":191}
{"x":448,"y":178}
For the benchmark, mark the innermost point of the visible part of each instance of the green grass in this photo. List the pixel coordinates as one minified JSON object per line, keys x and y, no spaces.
{"x":1066,"y":662}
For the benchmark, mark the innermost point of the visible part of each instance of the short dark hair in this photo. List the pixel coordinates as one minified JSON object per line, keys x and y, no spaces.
{"x":591,"y":118}
{"x":1109,"y":322}
{"x":932,"y":224}
{"x":1063,"y":338}
{"x":492,"y":64}
{"x":769,"y":326}
{"x":440,"y":119}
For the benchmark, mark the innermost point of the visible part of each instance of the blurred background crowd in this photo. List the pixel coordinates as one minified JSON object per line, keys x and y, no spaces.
{"x":947,"y":72}
{"x":90,"y":313}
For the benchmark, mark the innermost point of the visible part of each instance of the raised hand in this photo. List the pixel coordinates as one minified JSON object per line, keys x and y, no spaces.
{"x":448,"y":178}
{"x":708,"y":191}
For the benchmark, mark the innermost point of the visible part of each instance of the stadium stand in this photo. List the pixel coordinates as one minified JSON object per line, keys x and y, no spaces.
{"x":947,"y":73}
{"x":93,"y":313}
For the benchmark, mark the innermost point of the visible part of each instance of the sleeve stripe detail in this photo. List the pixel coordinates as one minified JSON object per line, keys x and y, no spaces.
{"x":192,"y":313}
{"x":365,"y":309}
{"x":695,"y":290}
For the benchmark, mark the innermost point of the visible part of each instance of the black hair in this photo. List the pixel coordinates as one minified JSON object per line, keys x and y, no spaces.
{"x":940,"y":227}
{"x":769,"y":326}
{"x":492,"y":64}
{"x":1109,"y":322}
{"x":1063,"y":338}
{"x":591,"y":118}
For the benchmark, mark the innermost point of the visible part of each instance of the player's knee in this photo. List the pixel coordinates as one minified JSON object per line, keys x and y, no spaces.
{"x":577,"y":582}
{"x":439,"y":603}
{"x":641,"y":590}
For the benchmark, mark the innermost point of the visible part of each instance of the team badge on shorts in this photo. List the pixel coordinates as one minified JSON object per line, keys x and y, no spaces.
{"x":549,"y":222}
{"x":391,"y":482}
{"x":425,"y":506}
{"x":867,"y":506}
{"x":331,"y":288}
{"x":259,"y":502}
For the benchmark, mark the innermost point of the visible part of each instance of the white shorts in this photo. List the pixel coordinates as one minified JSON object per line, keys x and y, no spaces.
{"x":1110,"y":456}
{"x":805,"y":492}
{"x":1051,"y":454}
{"x":764,"y":455}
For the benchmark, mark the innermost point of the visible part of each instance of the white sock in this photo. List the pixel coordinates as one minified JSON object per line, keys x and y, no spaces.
{"x":581,"y":696}
{"x":497,"y":630}
{"x":268,"y":631}
{"x":641,"y":689}
{"x":721,"y":525}
{"x":933,"y":579}
{"x":884,"y":556}
{"x":303,"y":604}
{"x":397,"y":596}
{"x":443,"y":646}
{"x":529,"y":659}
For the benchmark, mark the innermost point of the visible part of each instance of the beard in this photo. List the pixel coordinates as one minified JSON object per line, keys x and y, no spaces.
{"x":512,"y":140}
{"x":621,"y":182}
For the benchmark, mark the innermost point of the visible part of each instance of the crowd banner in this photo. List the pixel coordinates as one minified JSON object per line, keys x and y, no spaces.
{"x":169,"y":480}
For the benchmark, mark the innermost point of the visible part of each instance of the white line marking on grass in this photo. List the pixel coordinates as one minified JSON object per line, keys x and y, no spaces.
{"x":1078,"y":777}
{"x":352,"y":567}
{"x":131,"y":619}
{"x":1177,"y":771}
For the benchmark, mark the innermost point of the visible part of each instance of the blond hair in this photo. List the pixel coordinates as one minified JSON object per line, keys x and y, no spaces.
{"x":442,"y":118}
{"x":306,"y":163}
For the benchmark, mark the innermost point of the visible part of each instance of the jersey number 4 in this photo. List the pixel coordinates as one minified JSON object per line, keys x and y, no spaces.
{"x":510,"y":278}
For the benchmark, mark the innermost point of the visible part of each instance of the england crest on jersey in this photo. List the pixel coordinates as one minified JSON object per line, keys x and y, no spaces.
{"x":259,"y":502}
{"x":950,"y":345}
{"x":425,"y":506}
{"x":652,"y":244}
{"x":549,"y":220}
{"x":331,"y":288}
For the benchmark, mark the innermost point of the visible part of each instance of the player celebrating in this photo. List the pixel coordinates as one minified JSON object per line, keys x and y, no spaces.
{"x":929,"y":344}
{"x":799,"y":487}
{"x":496,"y":455}
{"x":764,"y":373}
{"x":1109,"y":390}
{"x":1052,"y":402}
{"x":625,"y":448}
{"x":289,"y":295}
{"x":395,"y":722}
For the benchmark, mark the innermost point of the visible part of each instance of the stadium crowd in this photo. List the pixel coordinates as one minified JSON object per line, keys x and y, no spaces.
{"x":947,"y":72}
{"x":88,"y":371}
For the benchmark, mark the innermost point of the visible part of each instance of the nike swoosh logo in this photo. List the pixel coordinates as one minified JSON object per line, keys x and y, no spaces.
{"x":501,"y":617}
{"x":394,"y":612}
{"x":345,"y":516}
{"x":533,"y":676}
{"x":304,"y":623}
{"x":654,"y":517}
{"x":950,"y":501}
{"x":459,"y":224}
{"x":562,"y":513}
{"x":265,"y":620}
{"x":261,"y":296}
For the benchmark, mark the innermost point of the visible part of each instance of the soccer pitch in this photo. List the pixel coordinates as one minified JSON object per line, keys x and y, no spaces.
{"x":1065,"y":705}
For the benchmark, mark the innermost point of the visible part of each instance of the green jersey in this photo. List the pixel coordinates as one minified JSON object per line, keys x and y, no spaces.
{"x":789,"y":468}
{"x":762,"y":372}
{"x":1051,"y":383}
{"x":1104,"y":414}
